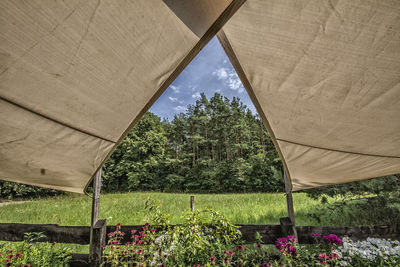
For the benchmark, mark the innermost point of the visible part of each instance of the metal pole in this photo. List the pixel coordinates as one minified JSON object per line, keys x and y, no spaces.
{"x":289,"y":202}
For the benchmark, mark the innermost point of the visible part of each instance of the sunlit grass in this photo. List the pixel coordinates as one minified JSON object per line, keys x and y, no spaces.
{"x":128,"y":208}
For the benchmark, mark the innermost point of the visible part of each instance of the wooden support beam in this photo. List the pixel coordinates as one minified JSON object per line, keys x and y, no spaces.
{"x":98,"y":241}
{"x":289,"y":201}
{"x":95,"y":215}
{"x":192,"y":203}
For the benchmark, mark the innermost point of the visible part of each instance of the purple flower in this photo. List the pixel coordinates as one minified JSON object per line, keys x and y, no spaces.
{"x":332,"y":239}
{"x":292,"y":250}
{"x":315,"y":235}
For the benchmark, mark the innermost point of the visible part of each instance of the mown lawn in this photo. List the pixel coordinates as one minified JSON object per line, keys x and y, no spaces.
{"x":129,"y":208}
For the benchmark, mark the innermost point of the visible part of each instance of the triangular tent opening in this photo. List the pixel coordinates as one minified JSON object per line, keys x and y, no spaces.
{"x":75,"y":78}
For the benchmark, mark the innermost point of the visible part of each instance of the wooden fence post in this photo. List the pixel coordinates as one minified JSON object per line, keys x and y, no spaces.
{"x":98,"y":241}
{"x":192,"y":203}
{"x":95,"y":216}
{"x":288,"y":224}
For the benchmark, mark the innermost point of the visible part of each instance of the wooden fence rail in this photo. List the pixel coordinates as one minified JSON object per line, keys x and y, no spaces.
{"x":269,"y":233}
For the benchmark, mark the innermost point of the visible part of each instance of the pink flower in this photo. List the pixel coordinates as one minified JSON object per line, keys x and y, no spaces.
{"x":332,"y":239}
{"x":19,"y":255}
{"x":323,"y":256}
{"x":258,"y":246}
{"x":139,"y":251}
{"x":291,"y":238}
{"x":118,"y":225}
{"x":153,"y":230}
{"x":240,"y":248}
{"x":165,"y":255}
{"x":133,"y":231}
{"x":315,"y":235}
{"x":212,"y":258}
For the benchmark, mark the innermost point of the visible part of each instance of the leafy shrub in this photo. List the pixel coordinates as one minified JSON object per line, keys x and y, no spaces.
{"x":357,"y":200}
{"x":207,"y":238}
{"x":32,"y":253}
{"x":9,"y":190}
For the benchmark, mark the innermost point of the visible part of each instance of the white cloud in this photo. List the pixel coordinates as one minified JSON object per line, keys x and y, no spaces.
{"x":221,"y":73}
{"x":173,"y":99}
{"x":175,"y":89}
{"x":196,"y":95}
{"x":180,"y":108}
{"x":193,"y":88}
{"x":230,"y":77}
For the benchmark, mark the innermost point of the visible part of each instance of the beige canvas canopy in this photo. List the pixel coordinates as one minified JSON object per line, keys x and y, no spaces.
{"x":75,"y":76}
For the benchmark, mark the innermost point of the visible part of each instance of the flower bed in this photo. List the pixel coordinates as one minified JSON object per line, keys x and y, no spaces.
{"x":195,"y":243}
{"x":30,"y":253}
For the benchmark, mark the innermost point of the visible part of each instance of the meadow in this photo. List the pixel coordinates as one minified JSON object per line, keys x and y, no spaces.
{"x":129,"y":208}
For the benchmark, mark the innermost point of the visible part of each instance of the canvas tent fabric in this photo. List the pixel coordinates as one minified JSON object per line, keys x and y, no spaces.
{"x":75,"y":76}
{"x":326,"y":76}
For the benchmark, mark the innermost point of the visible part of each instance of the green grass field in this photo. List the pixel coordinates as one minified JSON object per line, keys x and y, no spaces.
{"x":128,"y":208}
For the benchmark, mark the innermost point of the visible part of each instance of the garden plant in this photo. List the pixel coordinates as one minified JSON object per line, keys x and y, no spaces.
{"x":31,"y":253}
{"x":207,"y":238}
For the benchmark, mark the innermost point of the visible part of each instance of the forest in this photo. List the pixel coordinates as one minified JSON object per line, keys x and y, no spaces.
{"x":217,"y":145}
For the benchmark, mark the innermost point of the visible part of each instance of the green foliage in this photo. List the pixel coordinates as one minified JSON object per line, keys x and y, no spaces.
{"x":218,"y":145}
{"x":206,"y":238}
{"x":32,"y":253}
{"x":9,"y":190}
{"x":356,"y":202}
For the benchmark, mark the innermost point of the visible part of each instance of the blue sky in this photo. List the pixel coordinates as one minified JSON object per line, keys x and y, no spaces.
{"x":210,"y":72}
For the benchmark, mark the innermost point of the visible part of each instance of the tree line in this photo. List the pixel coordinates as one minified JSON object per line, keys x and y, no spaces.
{"x":217,"y":145}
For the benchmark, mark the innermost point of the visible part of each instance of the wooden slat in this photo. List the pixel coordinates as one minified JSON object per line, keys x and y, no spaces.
{"x":79,"y":260}
{"x":269,"y":233}
{"x":54,"y":232}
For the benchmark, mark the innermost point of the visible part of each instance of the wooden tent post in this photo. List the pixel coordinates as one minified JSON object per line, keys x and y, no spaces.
{"x":290,"y":223}
{"x":95,"y":248}
{"x":192,"y":203}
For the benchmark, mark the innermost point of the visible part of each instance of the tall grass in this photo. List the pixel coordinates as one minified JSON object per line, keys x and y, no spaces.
{"x":128,"y":208}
